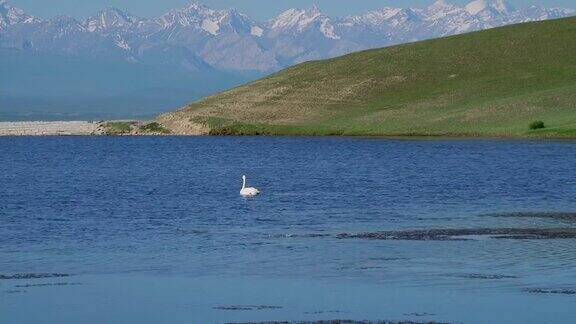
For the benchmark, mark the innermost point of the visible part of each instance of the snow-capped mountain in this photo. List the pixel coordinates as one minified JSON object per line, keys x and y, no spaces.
{"x":10,"y":16}
{"x":110,"y":20}
{"x":483,"y":7}
{"x":296,"y":21}
{"x":197,"y":37}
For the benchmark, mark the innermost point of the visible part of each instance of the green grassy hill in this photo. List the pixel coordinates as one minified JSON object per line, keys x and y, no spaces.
{"x":488,"y":83}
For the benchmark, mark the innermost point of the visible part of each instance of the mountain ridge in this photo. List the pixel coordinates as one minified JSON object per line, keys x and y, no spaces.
{"x":197,"y":36}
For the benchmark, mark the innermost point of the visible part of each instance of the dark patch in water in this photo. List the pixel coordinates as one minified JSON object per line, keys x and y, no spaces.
{"x":15,"y":291}
{"x":316,"y":235}
{"x":434,"y":219}
{"x":324,"y":312}
{"x":246,"y":307}
{"x":389,"y":259}
{"x":266,"y":220}
{"x":551,"y":291}
{"x":419,"y":314}
{"x":483,"y":276}
{"x":461,"y":234}
{"x":253,"y":244}
{"x":342,"y":322}
{"x":567,"y":216}
{"x":313,"y":235}
{"x":21,"y":276}
{"x":49,"y":284}
{"x":53,"y":219}
{"x":191,"y":232}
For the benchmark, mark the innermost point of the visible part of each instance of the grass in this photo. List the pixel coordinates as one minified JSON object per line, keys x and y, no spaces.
{"x":489,"y":83}
{"x":133,"y":127}
{"x":155,"y":128}
{"x":118,"y":128}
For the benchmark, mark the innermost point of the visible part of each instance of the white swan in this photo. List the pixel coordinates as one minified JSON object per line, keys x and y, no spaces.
{"x":248,"y":192}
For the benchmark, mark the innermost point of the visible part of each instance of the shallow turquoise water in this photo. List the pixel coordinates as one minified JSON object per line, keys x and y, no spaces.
{"x":153,"y":229}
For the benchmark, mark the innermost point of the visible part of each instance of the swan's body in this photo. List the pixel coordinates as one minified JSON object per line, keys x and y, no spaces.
{"x":248,"y":191}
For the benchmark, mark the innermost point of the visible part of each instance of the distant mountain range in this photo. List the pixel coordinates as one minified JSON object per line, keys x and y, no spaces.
{"x":225,"y":44}
{"x":197,"y":37}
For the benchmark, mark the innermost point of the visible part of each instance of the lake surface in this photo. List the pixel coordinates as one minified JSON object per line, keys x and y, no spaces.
{"x":152,"y":229}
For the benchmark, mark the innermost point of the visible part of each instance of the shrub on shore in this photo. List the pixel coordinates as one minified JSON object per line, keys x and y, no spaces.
{"x":117,"y":128}
{"x":154,"y":127}
{"x":538,"y":124}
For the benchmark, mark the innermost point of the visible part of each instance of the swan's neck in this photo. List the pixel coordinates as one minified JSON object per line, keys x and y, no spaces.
{"x":243,"y":183}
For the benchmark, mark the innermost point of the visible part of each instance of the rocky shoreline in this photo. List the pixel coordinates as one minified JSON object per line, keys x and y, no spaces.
{"x":50,"y":128}
{"x":80,"y":128}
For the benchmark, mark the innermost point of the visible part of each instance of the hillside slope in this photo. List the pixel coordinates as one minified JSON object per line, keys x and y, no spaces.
{"x":488,"y":83}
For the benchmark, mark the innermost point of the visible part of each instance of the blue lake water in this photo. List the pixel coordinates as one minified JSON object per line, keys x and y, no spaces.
{"x":152,"y":229}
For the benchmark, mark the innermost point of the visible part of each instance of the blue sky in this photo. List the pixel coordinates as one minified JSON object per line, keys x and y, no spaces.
{"x":258,"y":9}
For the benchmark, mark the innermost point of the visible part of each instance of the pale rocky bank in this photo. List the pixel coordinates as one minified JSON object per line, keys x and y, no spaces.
{"x":45,"y":128}
{"x":81,"y":128}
